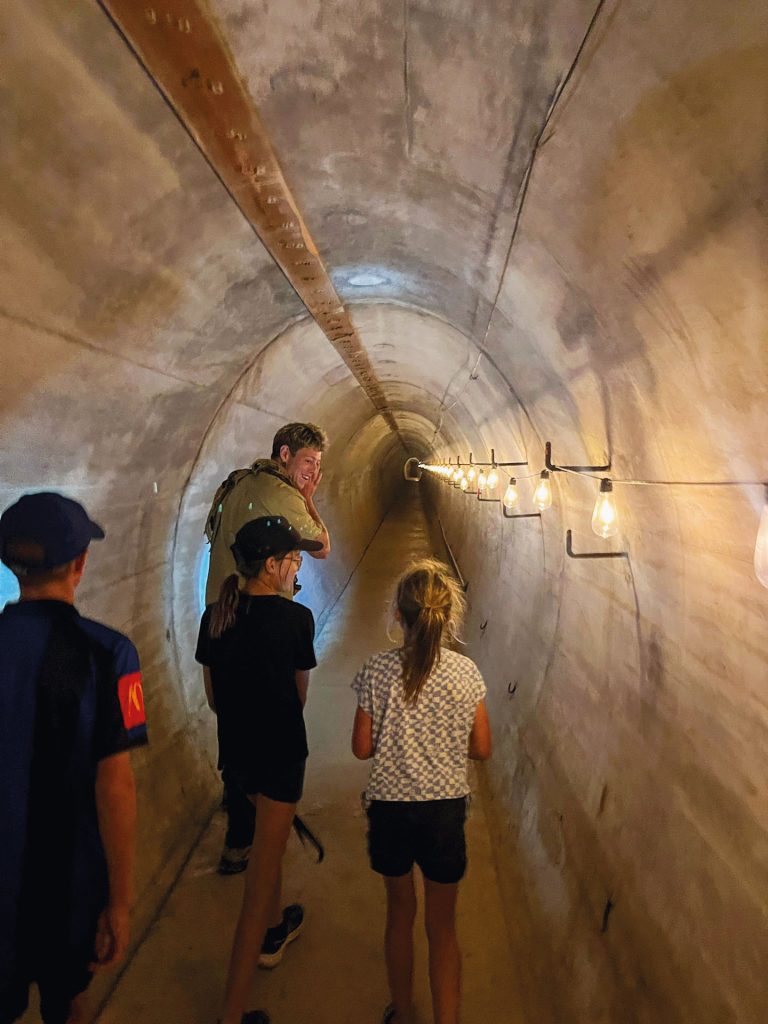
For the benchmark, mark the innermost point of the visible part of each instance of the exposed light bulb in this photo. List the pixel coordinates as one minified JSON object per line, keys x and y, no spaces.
{"x":455,"y":476}
{"x":459,"y":474}
{"x":463,"y":484}
{"x":761,"y":545}
{"x":493,"y":479}
{"x":605,"y":518}
{"x":482,"y":481}
{"x":542,"y":496}
{"x":471,"y":474}
{"x":511,"y":496}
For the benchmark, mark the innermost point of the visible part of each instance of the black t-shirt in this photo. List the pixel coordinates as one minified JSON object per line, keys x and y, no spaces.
{"x":253,"y":666}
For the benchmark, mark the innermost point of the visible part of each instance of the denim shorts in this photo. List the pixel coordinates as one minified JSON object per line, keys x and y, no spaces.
{"x":429,"y":833}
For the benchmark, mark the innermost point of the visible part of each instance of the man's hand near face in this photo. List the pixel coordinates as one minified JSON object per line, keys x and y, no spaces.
{"x":308,"y":487}
{"x":304,"y":470}
{"x":307,"y":490}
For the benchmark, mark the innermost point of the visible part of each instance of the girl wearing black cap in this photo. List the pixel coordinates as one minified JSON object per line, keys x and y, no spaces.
{"x":256,"y":647}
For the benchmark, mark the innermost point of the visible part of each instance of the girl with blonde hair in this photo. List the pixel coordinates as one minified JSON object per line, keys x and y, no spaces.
{"x":421,"y":715}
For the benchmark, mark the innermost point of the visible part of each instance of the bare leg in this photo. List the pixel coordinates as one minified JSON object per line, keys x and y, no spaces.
{"x":444,"y":955}
{"x":77,"y":1010}
{"x":273,"y":824}
{"x":398,"y":942}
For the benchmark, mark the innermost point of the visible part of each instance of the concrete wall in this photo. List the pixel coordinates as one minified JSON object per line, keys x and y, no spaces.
{"x":149,"y":340}
{"x":630,"y":755}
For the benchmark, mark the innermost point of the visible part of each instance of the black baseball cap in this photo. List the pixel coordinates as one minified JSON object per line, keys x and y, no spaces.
{"x":268,"y":535}
{"x":59,"y":525}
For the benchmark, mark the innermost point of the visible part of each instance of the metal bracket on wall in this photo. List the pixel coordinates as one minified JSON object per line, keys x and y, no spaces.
{"x":520,"y":515}
{"x":570,"y":469}
{"x":493,"y":463}
{"x":590,"y":554}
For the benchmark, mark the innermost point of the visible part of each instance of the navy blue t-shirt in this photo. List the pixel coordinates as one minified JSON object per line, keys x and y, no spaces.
{"x":70,"y":695}
{"x":253,"y":665}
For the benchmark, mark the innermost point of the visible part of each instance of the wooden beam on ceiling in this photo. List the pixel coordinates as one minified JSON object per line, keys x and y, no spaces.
{"x":182,"y":48}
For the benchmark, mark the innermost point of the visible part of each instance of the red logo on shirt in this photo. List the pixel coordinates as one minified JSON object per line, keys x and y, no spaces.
{"x":131,"y":700}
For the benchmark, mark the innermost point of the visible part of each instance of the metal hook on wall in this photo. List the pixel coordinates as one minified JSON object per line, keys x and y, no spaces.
{"x":520,"y":515}
{"x":590,"y":554}
{"x":494,"y":463}
{"x":569,"y":469}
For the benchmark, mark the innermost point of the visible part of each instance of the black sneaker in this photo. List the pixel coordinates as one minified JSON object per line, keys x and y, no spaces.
{"x":233,"y":860}
{"x":277,"y":938}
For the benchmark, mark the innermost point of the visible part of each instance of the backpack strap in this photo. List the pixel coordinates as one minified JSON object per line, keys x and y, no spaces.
{"x":213,"y":519}
{"x":226,"y":487}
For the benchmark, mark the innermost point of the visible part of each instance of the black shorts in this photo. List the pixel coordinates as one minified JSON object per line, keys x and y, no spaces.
{"x":283,"y":783}
{"x":429,"y":833}
{"x":58,"y":985}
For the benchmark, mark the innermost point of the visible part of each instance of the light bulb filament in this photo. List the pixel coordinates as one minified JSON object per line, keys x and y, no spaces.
{"x":542,"y":496}
{"x":511,"y":495}
{"x":605,"y":517}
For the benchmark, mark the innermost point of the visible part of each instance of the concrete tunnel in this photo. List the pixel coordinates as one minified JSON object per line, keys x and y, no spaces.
{"x":435,"y":229}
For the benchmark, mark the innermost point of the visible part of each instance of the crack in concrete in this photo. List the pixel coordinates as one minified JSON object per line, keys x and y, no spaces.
{"x":73,"y":339}
{"x":408,"y":114}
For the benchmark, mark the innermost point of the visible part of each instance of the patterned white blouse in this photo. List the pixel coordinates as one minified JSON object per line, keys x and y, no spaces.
{"x":421,"y":750}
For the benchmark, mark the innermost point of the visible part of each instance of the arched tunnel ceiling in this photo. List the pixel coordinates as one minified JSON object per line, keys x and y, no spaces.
{"x":398,"y":211}
{"x":406,"y":137}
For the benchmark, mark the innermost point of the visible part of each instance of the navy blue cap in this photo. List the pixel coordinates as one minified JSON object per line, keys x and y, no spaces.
{"x":60,"y":526}
{"x":268,"y":535}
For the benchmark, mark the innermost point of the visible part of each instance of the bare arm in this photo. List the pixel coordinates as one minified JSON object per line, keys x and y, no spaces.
{"x":302,"y":684}
{"x":480,"y":736}
{"x":116,"y":811}
{"x":323,"y":536}
{"x":362,"y":735}
{"x":208,"y":688}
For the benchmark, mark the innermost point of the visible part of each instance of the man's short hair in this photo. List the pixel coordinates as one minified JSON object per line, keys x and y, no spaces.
{"x":23,"y":556}
{"x":297,"y":436}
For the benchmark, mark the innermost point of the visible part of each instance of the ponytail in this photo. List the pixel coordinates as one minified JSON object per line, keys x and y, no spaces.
{"x":430,"y":603}
{"x":223,"y":614}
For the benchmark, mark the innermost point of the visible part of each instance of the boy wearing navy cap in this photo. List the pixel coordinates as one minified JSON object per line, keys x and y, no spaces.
{"x":71,"y":707}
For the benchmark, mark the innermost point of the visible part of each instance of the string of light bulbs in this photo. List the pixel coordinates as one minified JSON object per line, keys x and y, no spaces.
{"x":605,"y":516}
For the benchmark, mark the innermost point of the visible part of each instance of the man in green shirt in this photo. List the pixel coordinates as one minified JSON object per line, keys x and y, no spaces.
{"x":283,"y":485}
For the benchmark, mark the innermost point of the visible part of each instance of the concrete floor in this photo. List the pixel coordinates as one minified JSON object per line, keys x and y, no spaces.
{"x":335,"y":972}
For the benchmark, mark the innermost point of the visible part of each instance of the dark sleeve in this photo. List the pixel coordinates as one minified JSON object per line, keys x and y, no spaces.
{"x":304,"y":635}
{"x":203,"y":651}
{"x":120,"y":720}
